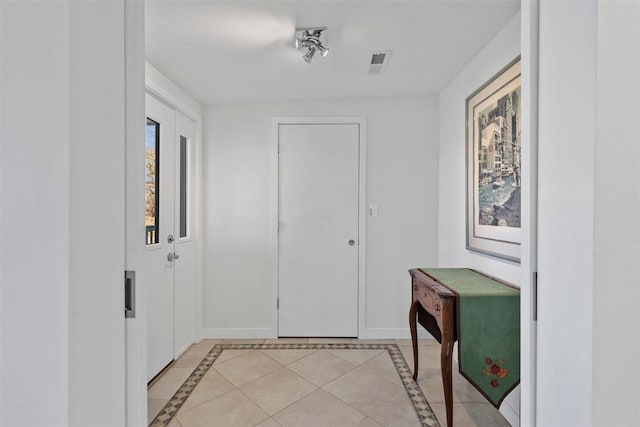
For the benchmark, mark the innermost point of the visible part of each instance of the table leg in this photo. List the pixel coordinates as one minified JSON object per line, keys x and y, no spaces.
{"x":413,"y":312}
{"x":445,"y":363}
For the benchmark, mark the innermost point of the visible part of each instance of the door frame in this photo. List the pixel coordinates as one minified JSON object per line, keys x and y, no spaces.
{"x":134,"y":106}
{"x":362,"y":207}
{"x":135,"y":328}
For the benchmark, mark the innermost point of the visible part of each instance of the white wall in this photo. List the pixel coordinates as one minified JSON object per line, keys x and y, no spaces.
{"x":588,"y":217}
{"x":499,"y":52}
{"x":401,"y":178}
{"x":616,"y":322}
{"x":62,"y":204}
{"x":96,"y":217}
{"x":34,"y":250}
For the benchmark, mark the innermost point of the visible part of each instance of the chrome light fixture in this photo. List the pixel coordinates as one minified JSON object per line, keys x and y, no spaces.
{"x":312,"y":39}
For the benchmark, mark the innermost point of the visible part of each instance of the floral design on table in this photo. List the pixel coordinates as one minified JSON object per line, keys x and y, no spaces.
{"x":494,"y":369}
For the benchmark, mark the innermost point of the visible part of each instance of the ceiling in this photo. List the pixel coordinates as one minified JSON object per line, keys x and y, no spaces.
{"x":242,"y":51}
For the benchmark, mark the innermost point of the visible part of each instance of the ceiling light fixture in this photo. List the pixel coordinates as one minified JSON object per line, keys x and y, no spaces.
{"x":312,"y":39}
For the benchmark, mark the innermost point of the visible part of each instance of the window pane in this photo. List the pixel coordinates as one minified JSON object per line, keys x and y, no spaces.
{"x":184,"y":176}
{"x":151,"y":183}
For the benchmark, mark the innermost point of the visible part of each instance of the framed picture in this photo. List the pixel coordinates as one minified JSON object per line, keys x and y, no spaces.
{"x":494,"y":120}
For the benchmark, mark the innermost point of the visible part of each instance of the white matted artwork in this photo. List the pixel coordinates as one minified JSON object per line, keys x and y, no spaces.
{"x":494,"y":157}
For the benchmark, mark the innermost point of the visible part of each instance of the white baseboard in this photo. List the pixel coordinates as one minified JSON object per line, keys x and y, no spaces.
{"x":259,"y":333}
{"x":238,"y":333}
{"x":510,"y":408}
{"x":510,"y":415}
{"x":392,"y":333}
{"x":181,"y":351}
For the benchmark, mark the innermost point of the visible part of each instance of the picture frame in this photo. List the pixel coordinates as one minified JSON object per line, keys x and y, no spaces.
{"x":494,"y":164}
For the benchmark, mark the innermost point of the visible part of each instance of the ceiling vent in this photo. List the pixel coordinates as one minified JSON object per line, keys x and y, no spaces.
{"x":379,"y":61}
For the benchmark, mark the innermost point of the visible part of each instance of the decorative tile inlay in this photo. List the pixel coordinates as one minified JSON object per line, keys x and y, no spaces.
{"x":423,"y":409}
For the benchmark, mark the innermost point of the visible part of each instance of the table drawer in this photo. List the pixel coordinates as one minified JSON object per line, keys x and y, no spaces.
{"x":428,"y":299}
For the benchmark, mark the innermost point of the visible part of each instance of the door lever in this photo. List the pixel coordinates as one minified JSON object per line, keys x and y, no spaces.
{"x":172,"y":256}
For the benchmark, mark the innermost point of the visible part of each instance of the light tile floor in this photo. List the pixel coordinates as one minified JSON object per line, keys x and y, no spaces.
{"x":307,"y":387}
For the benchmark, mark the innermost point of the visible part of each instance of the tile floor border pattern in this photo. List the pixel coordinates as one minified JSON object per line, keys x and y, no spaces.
{"x":423,"y":410}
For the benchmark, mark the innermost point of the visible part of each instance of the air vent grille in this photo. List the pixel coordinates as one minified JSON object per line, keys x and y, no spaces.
{"x":377,"y":58}
{"x":379,"y":61}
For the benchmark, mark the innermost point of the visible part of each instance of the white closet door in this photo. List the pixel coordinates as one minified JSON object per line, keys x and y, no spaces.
{"x":318,"y":230}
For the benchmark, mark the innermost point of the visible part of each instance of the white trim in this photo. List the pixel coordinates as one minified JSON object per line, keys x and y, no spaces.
{"x":362,"y":208}
{"x":154,"y":246}
{"x":171,"y":101}
{"x":362,"y":228}
{"x":135,"y":329}
{"x":273,"y":220}
{"x":394,"y":333}
{"x":238,"y":333}
{"x":182,"y":350}
{"x":526,"y":415}
{"x":161,"y":87}
{"x":197,"y":231}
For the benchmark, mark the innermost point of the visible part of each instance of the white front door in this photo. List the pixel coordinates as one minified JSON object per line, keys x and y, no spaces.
{"x":184,"y":232}
{"x":158,"y":264}
{"x":318,"y":230}
{"x":169,"y":258}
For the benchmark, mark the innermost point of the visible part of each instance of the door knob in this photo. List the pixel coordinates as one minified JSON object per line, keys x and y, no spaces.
{"x":351,"y":242}
{"x":172,"y":256}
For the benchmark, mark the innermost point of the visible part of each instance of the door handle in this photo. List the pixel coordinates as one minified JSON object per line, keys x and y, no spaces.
{"x":172,"y":256}
{"x":130,"y":294}
{"x":351,"y":242}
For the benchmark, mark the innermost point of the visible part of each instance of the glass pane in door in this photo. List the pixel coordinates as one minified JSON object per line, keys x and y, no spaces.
{"x":151,"y":183}
{"x":184,"y":188}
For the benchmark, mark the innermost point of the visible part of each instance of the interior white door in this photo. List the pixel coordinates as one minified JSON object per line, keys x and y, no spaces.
{"x":318,"y":230}
{"x":158,"y":261}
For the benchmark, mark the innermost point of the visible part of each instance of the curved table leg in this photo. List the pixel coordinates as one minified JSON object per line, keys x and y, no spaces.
{"x":446,"y":353}
{"x":413,"y":312}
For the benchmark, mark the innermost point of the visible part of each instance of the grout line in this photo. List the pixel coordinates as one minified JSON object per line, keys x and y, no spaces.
{"x":262,"y":351}
{"x":290,"y":404}
{"x":234,"y":357}
{"x":379,"y":351}
{"x":346,"y":403}
{"x":203,"y":403}
{"x":255,"y":403}
{"x":255,"y":379}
